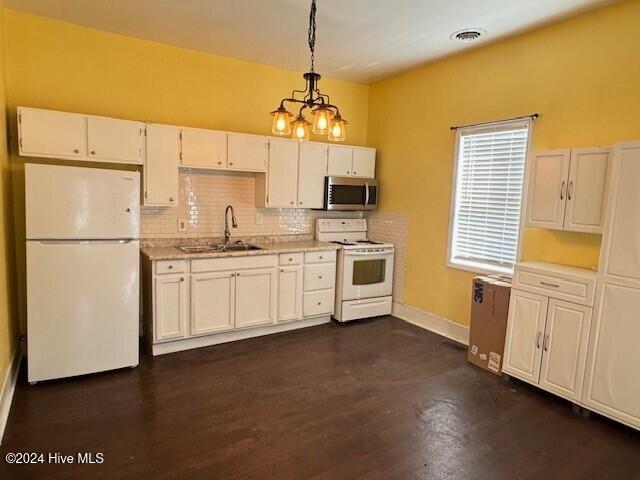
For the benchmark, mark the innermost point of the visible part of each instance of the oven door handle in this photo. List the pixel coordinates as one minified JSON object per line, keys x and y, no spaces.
{"x":366,"y":194}
{"x":367,"y":254}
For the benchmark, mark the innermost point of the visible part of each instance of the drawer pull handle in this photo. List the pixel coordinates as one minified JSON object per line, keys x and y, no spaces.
{"x":549,"y":284}
{"x":319,"y":303}
{"x":538,"y":339}
{"x":291,"y":259}
{"x":319,"y":277}
{"x":170,"y":267}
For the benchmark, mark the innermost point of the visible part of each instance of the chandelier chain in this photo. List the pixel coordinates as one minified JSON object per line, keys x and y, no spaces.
{"x":312,"y":32}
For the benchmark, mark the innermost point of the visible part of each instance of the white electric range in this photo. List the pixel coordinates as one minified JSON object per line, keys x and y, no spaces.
{"x":364,"y":280}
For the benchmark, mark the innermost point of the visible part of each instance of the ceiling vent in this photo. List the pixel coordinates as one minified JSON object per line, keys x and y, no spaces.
{"x":468,"y":34}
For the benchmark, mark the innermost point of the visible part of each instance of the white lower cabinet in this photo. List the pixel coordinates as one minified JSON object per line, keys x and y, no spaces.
{"x":212,"y":302}
{"x":255,"y":297}
{"x":612,"y":382}
{"x":547,"y":342}
{"x":548,"y":336}
{"x":523,"y":347}
{"x":205,"y":297}
{"x":171,"y":307}
{"x":565,"y":348}
{"x":290,"y":293}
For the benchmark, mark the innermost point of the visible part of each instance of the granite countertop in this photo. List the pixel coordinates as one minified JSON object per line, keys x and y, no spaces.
{"x":270,"y":248}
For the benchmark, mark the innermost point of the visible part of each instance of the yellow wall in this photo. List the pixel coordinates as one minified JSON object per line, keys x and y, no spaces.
{"x":582,"y":75}
{"x":51,"y":64}
{"x":8,"y":315}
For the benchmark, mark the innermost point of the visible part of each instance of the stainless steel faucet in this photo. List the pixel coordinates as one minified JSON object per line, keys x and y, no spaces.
{"x":234,"y":223}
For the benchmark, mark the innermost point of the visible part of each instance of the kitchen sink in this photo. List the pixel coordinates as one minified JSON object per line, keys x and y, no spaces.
{"x":243,"y":247}
{"x":239,"y":248}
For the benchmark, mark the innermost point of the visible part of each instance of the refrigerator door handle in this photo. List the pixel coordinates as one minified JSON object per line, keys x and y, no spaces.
{"x":85,"y":241}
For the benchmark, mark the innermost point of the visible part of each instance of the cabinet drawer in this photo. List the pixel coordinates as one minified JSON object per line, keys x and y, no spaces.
{"x":320,"y":257}
{"x":233,"y":263}
{"x":171,"y":266}
{"x":290,"y":258}
{"x":318,"y":277}
{"x":564,"y":284}
{"x":318,"y":303}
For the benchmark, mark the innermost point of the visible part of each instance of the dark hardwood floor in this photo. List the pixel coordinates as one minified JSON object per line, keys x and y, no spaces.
{"x":376,"y":399}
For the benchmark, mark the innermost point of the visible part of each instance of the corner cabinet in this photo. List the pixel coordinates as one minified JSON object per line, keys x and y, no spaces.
{"x":548,"y":327}
{"x":204,"y":301}
{"x":567,"y":189}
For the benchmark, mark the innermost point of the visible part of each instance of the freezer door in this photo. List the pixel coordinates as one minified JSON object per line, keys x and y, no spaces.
{"x":81,"y":203}
{"x":82,"y":307}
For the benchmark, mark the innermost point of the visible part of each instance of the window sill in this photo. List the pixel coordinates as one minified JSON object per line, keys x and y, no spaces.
{"x":481,"y":268}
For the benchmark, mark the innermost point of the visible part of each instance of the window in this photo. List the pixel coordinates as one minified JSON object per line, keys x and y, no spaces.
{"x":488,"y":196}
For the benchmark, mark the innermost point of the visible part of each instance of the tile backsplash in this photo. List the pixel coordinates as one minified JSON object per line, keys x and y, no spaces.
{"x":202,"y":200}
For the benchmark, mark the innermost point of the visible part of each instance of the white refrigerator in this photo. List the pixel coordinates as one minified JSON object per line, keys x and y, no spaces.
{"x":83,"y":257}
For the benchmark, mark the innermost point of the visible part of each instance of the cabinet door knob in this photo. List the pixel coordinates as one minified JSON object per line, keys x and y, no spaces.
{"x":320,"y":257}
{"x":320,"y":277}
{"x":237,"y":274}
{"x":282,"y":270}
{"x":300,"y":203}
{"x":128,"y":210}
{"x":93,"y":152}
{"x":171,"y":199}
{"x":355,"y":173}
{"x":319,"y":303}
{"x":219,"y":163}
{"x":348,"y":172}
{"x":291,"y":203}
{"x":291,"y":259}
{"x":170,"y":267}
{"x":75,"y":150}
{"x":182,"y":279}
{"x":230,"y":163}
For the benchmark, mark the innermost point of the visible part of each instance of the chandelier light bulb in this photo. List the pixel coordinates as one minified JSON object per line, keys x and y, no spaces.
{"x":301,"y":129}
{"x":281,"y":122}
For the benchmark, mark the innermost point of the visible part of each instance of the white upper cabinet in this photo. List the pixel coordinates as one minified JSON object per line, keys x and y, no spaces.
{"x":587,"y":189}
{"x":312,"y":170}
{"x":620,"y":255}
{"x":74,"y":136}
{"x":282,"y":178}
{"x":247,"y":152}
{"x":548,"y":188}
{"x":340,"y":161}
{"x":47,"y":133}
{"x":161,"y":165}
{"x":114,"y":140}
{"x":203,"y":148}
{"x":346,"y":161}
{"x":364,"y":162}
{"x":567,"y":189}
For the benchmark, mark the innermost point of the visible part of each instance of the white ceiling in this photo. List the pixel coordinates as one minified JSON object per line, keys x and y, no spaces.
{"x":358,"y":40}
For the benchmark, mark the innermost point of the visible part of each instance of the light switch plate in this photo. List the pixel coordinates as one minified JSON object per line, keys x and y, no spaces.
{"x":259,"y":218}
{"x":182,"y":225}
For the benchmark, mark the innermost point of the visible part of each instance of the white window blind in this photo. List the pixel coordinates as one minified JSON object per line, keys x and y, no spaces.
{"x":488,"y":197}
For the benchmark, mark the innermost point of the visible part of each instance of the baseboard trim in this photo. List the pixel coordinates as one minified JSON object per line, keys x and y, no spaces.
{"x":233,"y":335}
{"x":433,"y":323}
{"x":8,"y":389}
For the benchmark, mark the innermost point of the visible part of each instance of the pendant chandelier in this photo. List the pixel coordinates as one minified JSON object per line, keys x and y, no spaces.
{"x":326,"y":117}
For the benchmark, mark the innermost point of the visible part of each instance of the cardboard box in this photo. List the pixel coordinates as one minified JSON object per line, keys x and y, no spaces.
{"x":489,"y":311}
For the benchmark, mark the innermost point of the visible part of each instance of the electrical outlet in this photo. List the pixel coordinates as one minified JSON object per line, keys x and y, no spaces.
{"x":259,"y":218}
{"x":182,"y":225}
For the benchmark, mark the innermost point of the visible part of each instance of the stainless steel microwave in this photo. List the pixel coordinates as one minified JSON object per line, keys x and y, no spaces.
{"x":348,"y":193}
